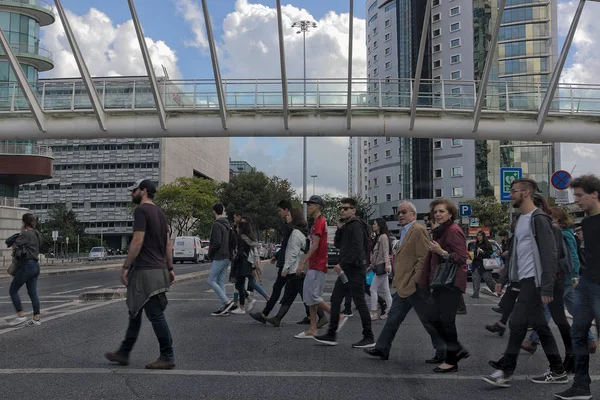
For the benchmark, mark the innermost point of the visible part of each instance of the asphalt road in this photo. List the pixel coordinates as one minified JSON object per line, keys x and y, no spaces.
{"x":235,"y":357}
{"x":56,"y":290}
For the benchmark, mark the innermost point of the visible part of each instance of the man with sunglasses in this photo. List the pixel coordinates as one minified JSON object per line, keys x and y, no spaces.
{"x":147,"y":273}
{"x":351,"y":239}
{"x":408,"y":263}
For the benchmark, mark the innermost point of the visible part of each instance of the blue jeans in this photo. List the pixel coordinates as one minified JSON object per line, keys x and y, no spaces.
{"x":216,"y":279}
{"x":570,"y":305}
{"x":253,"y":284}
{"x":26,"y":275}
{"x":156,"y":316}
{"x":587,"y":308}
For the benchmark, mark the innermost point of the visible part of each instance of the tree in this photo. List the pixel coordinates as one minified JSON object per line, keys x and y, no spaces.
{"x":256,"y":195}
{"x":187,"y":203}
{"x":63,"y":220}
{"x":332,"y":214}
{"x":490,"y":212}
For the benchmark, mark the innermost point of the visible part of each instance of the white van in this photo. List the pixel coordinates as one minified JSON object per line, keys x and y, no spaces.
{"x":187,"y":248}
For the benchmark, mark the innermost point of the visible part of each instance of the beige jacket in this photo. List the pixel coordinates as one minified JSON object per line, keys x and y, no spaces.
{"x":409,"y":258}
{"x":381,"y":251}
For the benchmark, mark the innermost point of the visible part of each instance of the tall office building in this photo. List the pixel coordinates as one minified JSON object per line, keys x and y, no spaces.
{"x":460,"y":36}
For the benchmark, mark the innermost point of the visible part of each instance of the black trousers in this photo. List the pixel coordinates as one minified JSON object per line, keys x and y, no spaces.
{"x":294,"y":286}
{"x":507,"y":303}
{"x":529,"y":309}
{"x":356,"y":286}
{"x":275,"y":293}
{"x":443,"y":318}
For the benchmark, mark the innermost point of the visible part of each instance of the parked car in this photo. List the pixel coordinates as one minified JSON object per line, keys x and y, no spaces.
{"x":188,"y":248}
{"x":97,"y":253}
{"x":496,"y":254}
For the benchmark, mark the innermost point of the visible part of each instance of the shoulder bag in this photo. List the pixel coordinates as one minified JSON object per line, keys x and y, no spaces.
{"x":12,"y":269}
{"x":445,"y":275}
{"x":380,"y":269}
{"x":490,"y":264}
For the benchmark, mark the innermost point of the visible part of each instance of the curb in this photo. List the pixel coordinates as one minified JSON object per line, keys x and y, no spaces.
{"x":121,"y":292}
{"x":65,"y":271}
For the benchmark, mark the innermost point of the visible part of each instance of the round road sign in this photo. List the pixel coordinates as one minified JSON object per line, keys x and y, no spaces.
{"x":560,"y":180}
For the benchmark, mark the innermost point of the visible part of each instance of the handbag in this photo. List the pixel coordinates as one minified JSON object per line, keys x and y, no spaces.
{"x":380,"y":269}
{"x":445,"y":275}
{"x":12,"y":269}
{"x":490,"y":264}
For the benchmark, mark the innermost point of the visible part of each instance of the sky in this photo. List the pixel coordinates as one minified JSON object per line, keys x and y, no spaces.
{"x":246,"y":38}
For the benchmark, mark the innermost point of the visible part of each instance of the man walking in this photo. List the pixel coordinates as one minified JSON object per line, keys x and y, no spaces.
{"x":586,"y":308}
{"x":533,"y":263}
{"x":218,"y":254}
{"x":314,"y":282}
{"x":408,"y":263}
{"x":147,"y":274}
{"x":352,"y":241}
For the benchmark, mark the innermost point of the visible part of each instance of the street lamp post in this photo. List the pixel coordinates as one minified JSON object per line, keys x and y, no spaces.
{"x":304,"y":27}
{"x":314,"y":177}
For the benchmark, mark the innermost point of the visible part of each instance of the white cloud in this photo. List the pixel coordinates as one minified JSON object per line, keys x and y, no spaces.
{"x":249,"y":48}
{"x":192,"y":14}
{"x":108,"y":49}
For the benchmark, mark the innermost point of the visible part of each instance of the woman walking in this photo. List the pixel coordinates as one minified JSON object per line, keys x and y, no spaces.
{"x":381,"y":265}
{"x":448,"y":244}
{"x":481,"y":249}
{"x":26,"y":252}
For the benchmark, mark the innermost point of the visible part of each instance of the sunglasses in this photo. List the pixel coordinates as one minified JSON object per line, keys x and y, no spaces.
{"x":345,"y":208}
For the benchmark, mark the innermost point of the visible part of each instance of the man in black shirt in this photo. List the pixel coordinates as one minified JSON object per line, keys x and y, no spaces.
{"x":586,"y":190}
{"x":147,"y":274}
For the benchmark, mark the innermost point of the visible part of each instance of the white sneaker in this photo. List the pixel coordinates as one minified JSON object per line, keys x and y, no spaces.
{"x":497,"y":378}
{"x":33,"y":322}
{"x":251,"y":305}
{"x":16,"y":321}
{"x":238,"y":311}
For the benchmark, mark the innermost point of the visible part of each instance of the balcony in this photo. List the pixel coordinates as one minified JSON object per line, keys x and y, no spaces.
{"x":33,"y":55}
{"x":24,"y":162}
{"x":40,"y":10}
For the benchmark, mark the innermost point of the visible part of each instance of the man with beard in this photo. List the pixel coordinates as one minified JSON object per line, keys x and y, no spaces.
{"x":147,"y":274}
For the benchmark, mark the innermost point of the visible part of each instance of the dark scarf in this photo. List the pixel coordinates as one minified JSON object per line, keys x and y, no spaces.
{"x":439,"y":231}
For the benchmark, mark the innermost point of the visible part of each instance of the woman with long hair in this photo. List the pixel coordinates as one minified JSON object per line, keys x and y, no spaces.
{"x":380,"y":255}
{"x":26,"y":255}
{"x":481,"y":249}
{"x":448,"y":244}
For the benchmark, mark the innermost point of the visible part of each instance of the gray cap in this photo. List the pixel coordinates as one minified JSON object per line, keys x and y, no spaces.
{"x":316,"y":200}
{"x":143,"y":184}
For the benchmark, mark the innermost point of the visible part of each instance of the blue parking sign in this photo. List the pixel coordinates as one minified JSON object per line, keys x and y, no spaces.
{"x":507,"y":177}
{"x":464,"y":210}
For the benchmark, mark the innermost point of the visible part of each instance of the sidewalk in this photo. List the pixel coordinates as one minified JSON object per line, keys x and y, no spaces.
{"x":66,"y":269}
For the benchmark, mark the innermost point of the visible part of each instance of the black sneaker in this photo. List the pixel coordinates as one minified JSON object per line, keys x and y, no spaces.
{"x":574,"y":394}
{"x":365,"y":343}
{"x":348,"y":313}
{"x":551,"y":377}
{"x":304,"y":321}
{"x":258,"y":317}
{"x":322,"y":322}
{"x":219,"y":313}
{"x":326,"y":339}
{"x":276,"y":322}
{"x":499,"y":310}
{"x":229,"y":306}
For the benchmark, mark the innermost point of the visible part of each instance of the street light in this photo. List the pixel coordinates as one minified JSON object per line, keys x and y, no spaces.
{"x":314,"y":177}
{"x":304,"y":26}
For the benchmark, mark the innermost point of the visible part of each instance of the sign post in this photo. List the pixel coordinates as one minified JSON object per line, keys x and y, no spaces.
{"x":507,"y":177}
{"x":67,"y":240}
{"x":54,"y":238}
{"x":560,"y":181}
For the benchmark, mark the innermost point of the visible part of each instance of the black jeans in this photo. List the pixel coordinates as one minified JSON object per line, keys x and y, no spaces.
{"x":275,"y":293}
{"x":507,"y":303}
{"x":156,"y":316}
{"x":443,"y":319}
{"x":399,"y":308}
{"x":294,"y":286}
{"x":529,"y":309}
{"x":557,"y":312}
{"x":356,"y":286}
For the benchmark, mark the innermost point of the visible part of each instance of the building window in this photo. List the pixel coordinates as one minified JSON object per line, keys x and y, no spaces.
{"x":365,"y":143}
{"x":388,"y":197}
{"x":388,"y":153}
{"x":388,"y":51}
{"x":437,"y":144}
{"x":376,"y":182}
{"x":455,"y":59}
{"x":436,"y":17}
{"x":369,"y":159}
{"x":374,"y":31}
{"x":437,"y":48}
{"x":456,"y":91}
{"x":457,"y":192}
{"x":375,"y":157}
{"x":435,"y":3}
{"x":437,"y":64}
{"x":388,"y":139}
{"x":388,"y":179}
{"x":388,"y":79}
{"x":400,"y":196}
{"x":388,"y":36}
{"x":375,"y":199}
{"x":374,"y":142}
{"x":438,"y":173}
{"x":387,"y":23}
{"x":400,"y":178}
{"x":456,"y":142}
{"x":455,"y":75}
{"x":375,"y":72}
{"x":375,"y":57}
{"x":365,"y":151}
{"x":457,"y":171}
{"x":455,"y":27}
{"x":366,"y":161}
{"x":437,"y":78}
{"x":455,"y":43}
{"x":437,"y":193}
{"x":375,"y":44}
{"x":436,"y":32}
{"x":388,"y":65}
{"x":454,"y":11}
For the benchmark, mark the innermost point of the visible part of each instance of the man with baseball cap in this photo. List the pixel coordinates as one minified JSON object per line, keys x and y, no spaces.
{"x":147,"y":273}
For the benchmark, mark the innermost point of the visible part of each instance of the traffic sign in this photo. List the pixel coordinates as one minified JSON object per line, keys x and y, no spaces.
{"x":465,"y":220}
{"x":474,"y":223}
{"x":507,"y":177}
{"x":560,"y":180}
{"x":465,"y":210}
{"x":54,"y":235}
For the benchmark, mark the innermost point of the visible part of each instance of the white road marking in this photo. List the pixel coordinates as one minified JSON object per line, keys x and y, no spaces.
{"x":77,"y":290}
